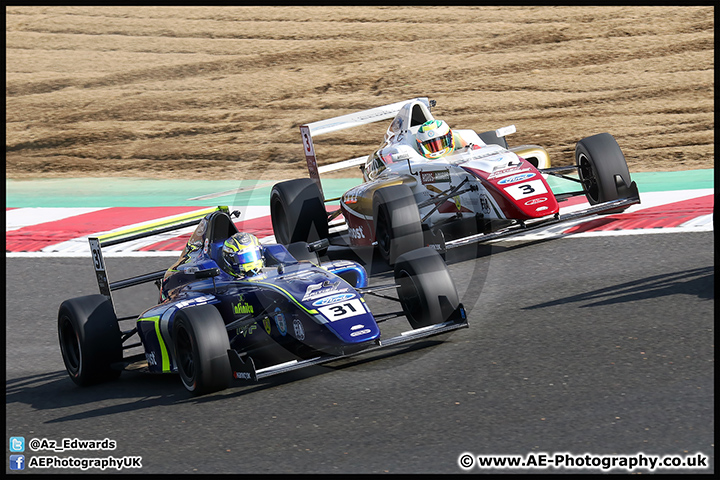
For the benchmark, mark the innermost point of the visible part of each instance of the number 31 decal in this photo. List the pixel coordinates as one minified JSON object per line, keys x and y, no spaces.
{"x":96,"y":255}
{"x":343,"y":310}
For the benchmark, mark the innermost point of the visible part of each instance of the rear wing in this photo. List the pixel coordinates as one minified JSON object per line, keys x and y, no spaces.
{"x":114,"y":238}
{"x":364,"y":117}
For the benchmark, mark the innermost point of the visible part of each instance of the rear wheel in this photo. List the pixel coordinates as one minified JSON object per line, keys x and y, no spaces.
{"x":90,"y":340}
{"x":398,"y":228}
{"x":201,"y":346}
{"x":602,"y":168}
{"x":427,"y":292}
{"x":297,"y":211}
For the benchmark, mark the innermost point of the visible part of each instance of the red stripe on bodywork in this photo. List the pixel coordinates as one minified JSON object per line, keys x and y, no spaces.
{"x":34,"y":238}
{"x":662,"y":216}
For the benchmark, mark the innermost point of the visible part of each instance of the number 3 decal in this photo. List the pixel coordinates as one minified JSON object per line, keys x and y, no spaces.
{"x":535,"y":187}
{"x":527,"y":189}
{"x":307,"y":142}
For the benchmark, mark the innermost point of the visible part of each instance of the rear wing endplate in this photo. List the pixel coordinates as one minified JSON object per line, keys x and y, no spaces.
{"x":364,"y":117}
{"x":114,"y":238}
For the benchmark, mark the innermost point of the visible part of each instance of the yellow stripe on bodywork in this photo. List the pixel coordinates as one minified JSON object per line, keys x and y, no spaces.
{"x":178,"y":219}
{"x":311,"y":312}
{"x":165,"y":358}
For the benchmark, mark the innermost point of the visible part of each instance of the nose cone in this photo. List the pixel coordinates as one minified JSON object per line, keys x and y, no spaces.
{"x":348,"y":318}
{"x":353,"y":335}
{"x":360,"y":330}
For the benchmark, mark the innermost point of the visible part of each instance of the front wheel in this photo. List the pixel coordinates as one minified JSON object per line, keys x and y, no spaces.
{"x":398,"y":228}
{"x":602,"y":168}
{"x":90,"y":339}
{"x":201,"y":349}
{"x":427,"y":292}
{"x":297,"y":211}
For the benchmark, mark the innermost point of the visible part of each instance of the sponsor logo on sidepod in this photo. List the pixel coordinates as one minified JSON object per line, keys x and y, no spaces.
{"x":516,"y":178}
{"x":334,"y":299}
{"x":299,"y":330}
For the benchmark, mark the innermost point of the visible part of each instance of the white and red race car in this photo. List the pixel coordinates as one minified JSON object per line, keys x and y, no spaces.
{"x":480,"y":190}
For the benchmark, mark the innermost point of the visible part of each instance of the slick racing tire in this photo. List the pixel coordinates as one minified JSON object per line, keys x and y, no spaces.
{"x":398,"y":228}
{"x":201,"y":349}
{"x":90,"y":339}
{"x":426,"y":291}
{"x":297,"y":211}
{"x":602,"y":168}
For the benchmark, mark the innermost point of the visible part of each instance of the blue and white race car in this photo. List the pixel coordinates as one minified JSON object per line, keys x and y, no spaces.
{"x":215,"y":322}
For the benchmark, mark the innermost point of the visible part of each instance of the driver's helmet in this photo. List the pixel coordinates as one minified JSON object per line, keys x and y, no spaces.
{"x":435,"y":139}
{"x":242,"y":255}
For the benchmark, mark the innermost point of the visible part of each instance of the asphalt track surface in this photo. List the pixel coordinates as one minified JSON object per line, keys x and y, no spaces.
{"x":599,"y":345}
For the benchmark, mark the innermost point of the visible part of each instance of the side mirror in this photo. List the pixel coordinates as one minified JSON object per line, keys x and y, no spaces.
{"x":504,"y":131}
{"x":207,"y":273}
{"x":319,"y":245}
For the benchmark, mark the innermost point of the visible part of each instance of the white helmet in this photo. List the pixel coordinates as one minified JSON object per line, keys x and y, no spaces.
{"x":435,"y":139}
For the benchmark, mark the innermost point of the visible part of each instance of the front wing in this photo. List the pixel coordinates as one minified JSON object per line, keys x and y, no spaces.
{"x":632,"y":198}
{"x":244,"y":369}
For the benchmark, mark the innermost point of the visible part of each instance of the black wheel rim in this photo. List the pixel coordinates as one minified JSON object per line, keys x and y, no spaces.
{"x":410,"y":295}
{"x":70,"y":346}
{"x":588,"y":178}
{"x":185,"y":358}
{"x":382,"y":232}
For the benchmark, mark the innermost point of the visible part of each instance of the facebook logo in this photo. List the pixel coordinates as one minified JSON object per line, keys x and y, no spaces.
{"x":17,"y":462}
{"x":17,"y":444}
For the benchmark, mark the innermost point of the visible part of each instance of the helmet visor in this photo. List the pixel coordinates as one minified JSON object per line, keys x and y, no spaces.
{"x":249,"y":255}
{"x":435,"y":145}
{"x":245,"y":260}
